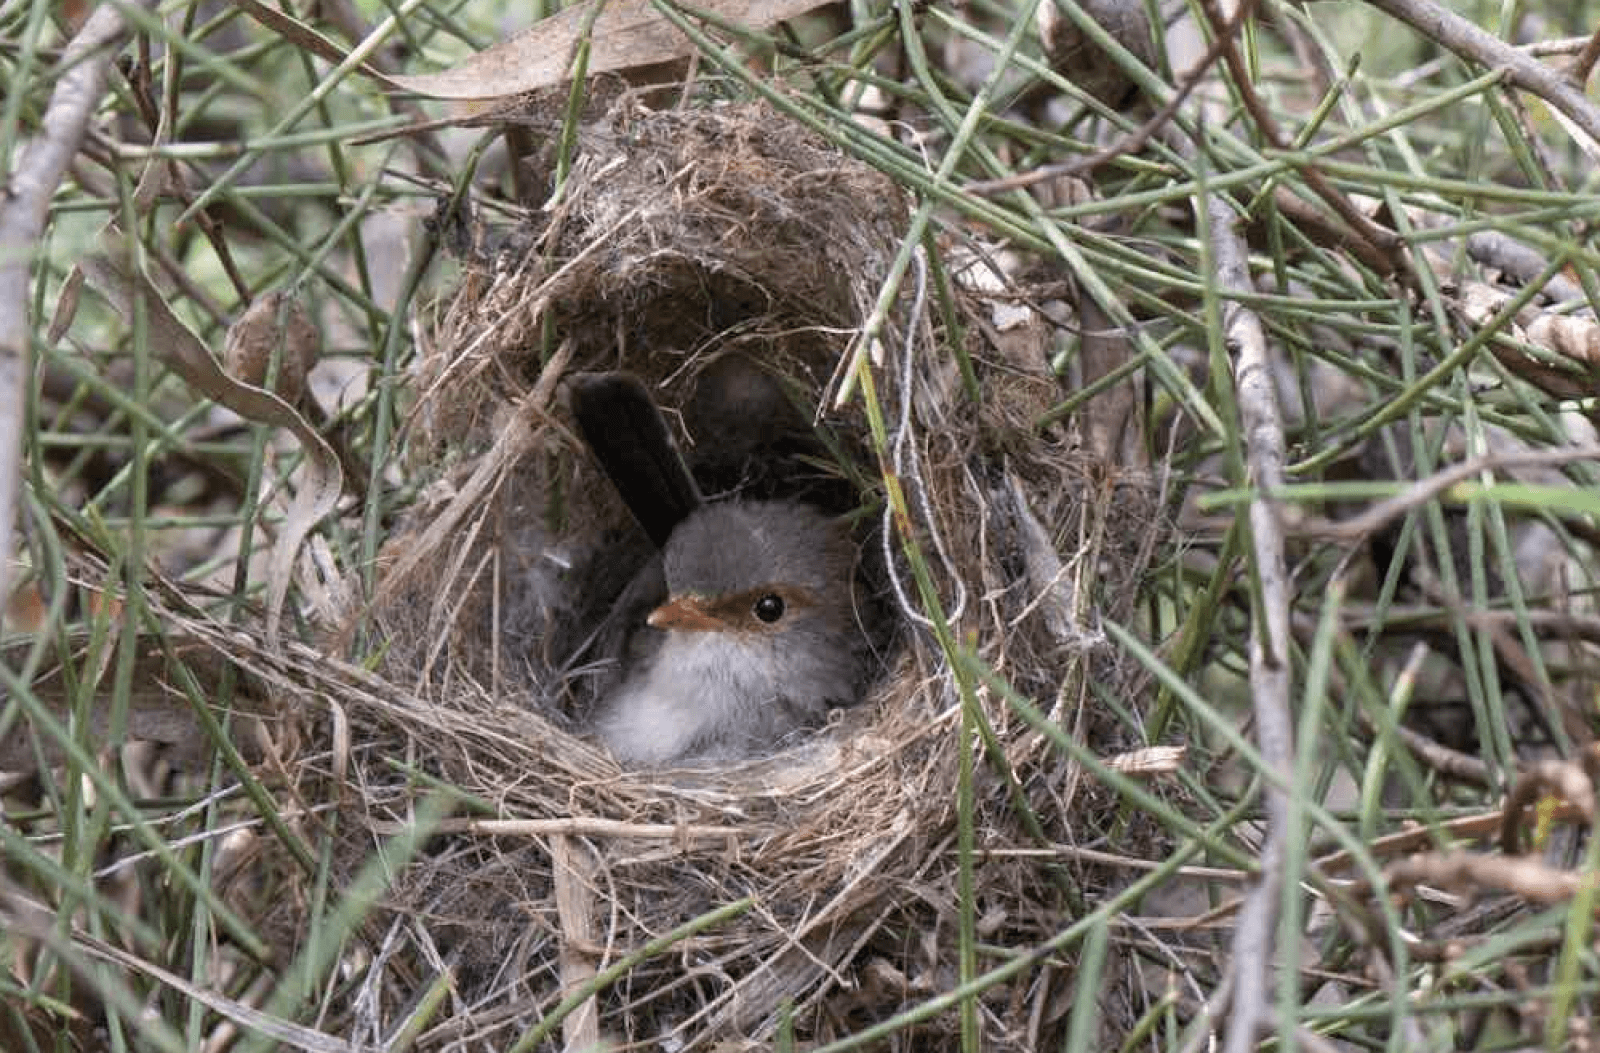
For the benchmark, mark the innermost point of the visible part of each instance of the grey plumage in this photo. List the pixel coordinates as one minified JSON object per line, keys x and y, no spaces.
{"x":738,"y":545}
{"x":743,"y":629}
{"x":710,"y":678}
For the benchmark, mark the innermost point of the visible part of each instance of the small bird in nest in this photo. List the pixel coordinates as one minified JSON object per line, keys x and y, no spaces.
{"x":743,"y":629}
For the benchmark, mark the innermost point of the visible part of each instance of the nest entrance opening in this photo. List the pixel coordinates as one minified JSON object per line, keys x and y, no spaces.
{"x":723,"y":260}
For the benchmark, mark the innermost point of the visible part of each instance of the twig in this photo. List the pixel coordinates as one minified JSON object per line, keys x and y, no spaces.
{"x":1380,"y":244}
{"x":1255,"y":938}
{"x":1387,"y":511}
{"x":1408,"y":616}
{"x":1477,"y":826}
{"x":1475,"y":874}
{"x":1495,"y":248}
{"x":585,"y":826}
{"x":1551,"y":777}
{"x":24,"y":206}
{"x":1449,"y":30}
{"x":573,"y":868}
{"x":1583,"y":65}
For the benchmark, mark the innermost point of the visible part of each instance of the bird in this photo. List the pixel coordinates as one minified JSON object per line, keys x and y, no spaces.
{"x":743,"y":629}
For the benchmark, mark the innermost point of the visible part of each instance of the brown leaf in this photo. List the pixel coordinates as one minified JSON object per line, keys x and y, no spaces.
{"x":111,"y":273}
{"x":627,"y":34}
{"x":275,"y":326}
{"x":303,"y":36}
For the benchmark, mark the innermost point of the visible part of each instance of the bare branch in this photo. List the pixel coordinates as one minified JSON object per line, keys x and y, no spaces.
{"x":24,"y":207}
{"x":1455,"y":33}
{"x":1256,"y":935}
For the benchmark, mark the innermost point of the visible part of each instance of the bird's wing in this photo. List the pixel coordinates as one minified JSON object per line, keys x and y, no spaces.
{"x":620,"y":422}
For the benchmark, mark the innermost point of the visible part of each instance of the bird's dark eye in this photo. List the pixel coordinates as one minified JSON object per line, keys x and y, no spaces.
{"x":769,"y":608}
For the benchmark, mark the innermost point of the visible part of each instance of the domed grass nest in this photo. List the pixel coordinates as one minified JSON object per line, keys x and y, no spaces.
{"x":815,"y":890}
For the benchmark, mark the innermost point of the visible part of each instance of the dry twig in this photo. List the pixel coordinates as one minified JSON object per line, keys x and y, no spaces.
{"x":1455,"y":33}
{"x":24,"y":206}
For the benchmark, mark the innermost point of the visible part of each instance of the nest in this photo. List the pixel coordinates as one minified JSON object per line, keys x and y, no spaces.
{"x":682,"y":238}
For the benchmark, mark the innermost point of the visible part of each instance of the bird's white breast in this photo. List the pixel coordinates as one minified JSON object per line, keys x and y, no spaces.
{"x":707,"y":695}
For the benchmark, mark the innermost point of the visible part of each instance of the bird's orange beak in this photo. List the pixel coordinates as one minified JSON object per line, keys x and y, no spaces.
{"x":686,"y":614}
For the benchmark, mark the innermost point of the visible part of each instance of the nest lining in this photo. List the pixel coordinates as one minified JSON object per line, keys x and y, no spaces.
{"x":683,"y":237}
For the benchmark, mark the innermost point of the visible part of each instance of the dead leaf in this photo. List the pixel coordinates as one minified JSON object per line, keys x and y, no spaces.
{"x":303,"y":36}
{"x":275,"y":326}
{"x":124,"y":285}
{"x":627,"y":34}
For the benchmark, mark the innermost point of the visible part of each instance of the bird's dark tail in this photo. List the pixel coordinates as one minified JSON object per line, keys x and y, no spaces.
{"x":622,"y":425}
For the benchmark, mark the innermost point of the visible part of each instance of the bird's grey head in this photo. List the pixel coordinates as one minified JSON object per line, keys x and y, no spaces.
{"x":734,"y":547}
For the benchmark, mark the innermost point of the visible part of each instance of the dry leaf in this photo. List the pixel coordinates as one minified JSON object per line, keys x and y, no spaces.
{"x":627,"y":34}
{"x":276,"y":325}
{"x":123,"y":284}
{"x":303,"y":36}
{"x":1152,"y":760}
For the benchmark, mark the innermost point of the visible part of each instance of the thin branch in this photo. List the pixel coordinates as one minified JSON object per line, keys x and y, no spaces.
{"x":1455,"y":33}
{"x":1583,"y":65}
{"x":1380,"y":244}
{"x":24,"y":207}
{"x":1256,"y":936}
{"x":1380,"y":515}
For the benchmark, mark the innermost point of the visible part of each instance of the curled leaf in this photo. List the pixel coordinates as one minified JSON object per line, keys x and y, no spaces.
{"x":110,"y":272}
{"x":625,"y":35}
{"x":276,"y":325}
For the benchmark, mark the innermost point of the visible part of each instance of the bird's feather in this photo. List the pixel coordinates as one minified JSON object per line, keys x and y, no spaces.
{"x":620,"y":422}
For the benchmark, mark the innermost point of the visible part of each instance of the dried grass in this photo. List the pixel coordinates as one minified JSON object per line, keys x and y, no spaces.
{"x":680,"y":232}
